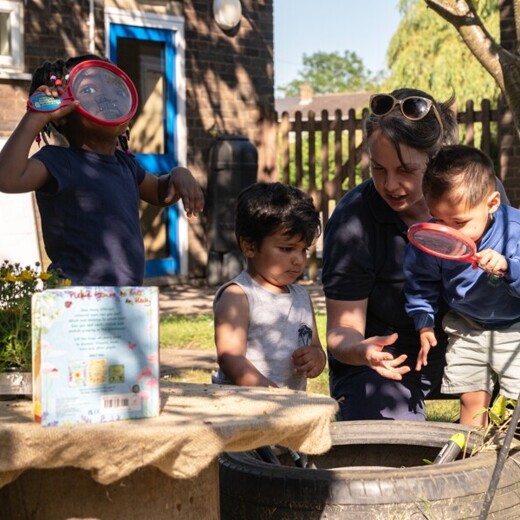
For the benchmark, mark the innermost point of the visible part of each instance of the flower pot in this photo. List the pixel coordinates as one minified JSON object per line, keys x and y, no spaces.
{"x":15,"y":384}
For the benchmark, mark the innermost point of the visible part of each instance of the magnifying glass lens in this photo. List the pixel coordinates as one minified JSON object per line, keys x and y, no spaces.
{"x":102,"y":93}
{"x":442,"y":243}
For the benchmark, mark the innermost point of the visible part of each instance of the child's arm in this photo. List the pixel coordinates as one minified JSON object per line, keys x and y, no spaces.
{"x":428,"y":340}
{"x":18,"y":173}
{"x":165,"y":190}
{"x":311,"y":359}
{"x":231,"y":326}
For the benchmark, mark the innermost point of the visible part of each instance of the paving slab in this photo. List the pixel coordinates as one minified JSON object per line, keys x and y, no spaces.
{"x":173,"y":360}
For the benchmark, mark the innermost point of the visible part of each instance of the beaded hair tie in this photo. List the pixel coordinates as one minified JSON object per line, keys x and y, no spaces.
{"x":44,"y":135}
{"x":123,"y":141}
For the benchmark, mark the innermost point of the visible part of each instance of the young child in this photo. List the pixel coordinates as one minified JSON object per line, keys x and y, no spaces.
{"x":265,"y":330}
{"x":484,"y":321}
{"x":88,"y":192}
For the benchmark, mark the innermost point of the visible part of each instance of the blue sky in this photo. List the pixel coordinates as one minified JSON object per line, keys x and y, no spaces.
{"x":308,"y":26}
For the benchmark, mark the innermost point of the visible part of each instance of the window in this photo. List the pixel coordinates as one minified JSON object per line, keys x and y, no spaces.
{"x":11,"y":30}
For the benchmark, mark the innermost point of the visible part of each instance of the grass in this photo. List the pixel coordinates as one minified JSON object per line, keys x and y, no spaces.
{"x":196,"y":332}
{"x":187,"y":332}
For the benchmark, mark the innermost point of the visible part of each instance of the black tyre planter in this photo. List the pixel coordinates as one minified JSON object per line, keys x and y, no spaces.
{"x":375,"y":470}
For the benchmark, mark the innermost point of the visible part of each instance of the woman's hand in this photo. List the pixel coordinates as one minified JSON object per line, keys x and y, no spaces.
{"x":346,"y":342}
{"x":369,"y":352}
{"x":383,"y":362}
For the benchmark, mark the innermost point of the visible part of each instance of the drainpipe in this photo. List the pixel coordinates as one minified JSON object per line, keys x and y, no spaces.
{"x":91,"y":28}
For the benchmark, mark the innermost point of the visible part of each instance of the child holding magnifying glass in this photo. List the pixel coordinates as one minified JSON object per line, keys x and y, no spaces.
{"x":88,"y":189}
{"x":483,"y":325}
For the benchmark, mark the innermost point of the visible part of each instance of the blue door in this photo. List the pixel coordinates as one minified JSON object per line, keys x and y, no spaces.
{"x":147,"y":55}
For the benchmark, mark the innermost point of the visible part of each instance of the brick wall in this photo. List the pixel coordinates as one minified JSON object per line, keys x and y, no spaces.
{"x":59,"y":28}
{"x":230,"y":89}
{"x":230,"y":86}
{"x":13,"y":102}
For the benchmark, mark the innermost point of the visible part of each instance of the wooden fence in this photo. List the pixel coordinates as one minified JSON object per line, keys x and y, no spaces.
{"x":327,"y":156}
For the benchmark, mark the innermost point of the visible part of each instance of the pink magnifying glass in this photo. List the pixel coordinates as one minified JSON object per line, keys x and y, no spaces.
{"x":106,"y":94}
{"x":445,"y":242}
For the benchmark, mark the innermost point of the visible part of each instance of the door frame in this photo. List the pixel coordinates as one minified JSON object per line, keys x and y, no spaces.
{"x":177,"y":223}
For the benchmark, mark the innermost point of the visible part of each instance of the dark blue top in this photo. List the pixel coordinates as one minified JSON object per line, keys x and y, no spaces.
{"x":364,"y":246}
{"x":90,"y":216}
{"x":491,"y":302}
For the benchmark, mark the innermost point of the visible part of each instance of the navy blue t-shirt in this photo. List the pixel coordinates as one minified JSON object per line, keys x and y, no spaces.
{"x":364,"y":245}
{"x":90,"y":216}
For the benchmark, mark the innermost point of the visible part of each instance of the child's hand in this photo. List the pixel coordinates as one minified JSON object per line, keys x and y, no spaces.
{"x":492,"y":262}
{"x":428,"y":340}
{"x":309,"y":361}
{"x":183,"y":185}
{"x":61,"y":112}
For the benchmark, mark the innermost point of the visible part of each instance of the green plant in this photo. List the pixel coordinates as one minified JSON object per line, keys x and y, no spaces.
{"x":499,"y":414}
{"x":17,"y":285}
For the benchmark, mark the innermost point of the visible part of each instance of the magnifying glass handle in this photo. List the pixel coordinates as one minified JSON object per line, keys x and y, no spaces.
{"x":40,"y":102}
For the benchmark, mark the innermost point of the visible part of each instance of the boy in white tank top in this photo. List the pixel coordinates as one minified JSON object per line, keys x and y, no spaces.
{"x":265,"y":330}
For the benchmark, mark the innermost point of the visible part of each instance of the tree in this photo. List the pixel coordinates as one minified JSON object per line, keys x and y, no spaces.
{"x":329,"y":73}
{"x":502,"y":65}
{"x":427,"y":53}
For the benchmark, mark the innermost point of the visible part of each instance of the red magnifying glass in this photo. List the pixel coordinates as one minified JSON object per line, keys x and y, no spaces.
{"x":445,"y":242}
{"x":106,"y":94}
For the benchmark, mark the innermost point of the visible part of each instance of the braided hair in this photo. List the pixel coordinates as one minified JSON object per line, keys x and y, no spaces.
{"x":52,"y":71}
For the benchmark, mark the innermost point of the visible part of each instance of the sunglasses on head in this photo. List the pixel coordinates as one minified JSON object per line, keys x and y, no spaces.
{"x":413,"y":108}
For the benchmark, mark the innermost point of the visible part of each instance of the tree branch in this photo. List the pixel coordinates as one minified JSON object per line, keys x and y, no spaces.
{"x":516,"y":14}
{"x":464,"y":17}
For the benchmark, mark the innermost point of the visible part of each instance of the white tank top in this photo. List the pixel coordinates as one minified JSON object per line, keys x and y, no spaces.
{"x":278,"y":325}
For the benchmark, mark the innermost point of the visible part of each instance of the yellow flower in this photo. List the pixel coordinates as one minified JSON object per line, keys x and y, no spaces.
{"x":17,"y":285}
{"x":66,"y":282}
{"x":26,"y":276}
